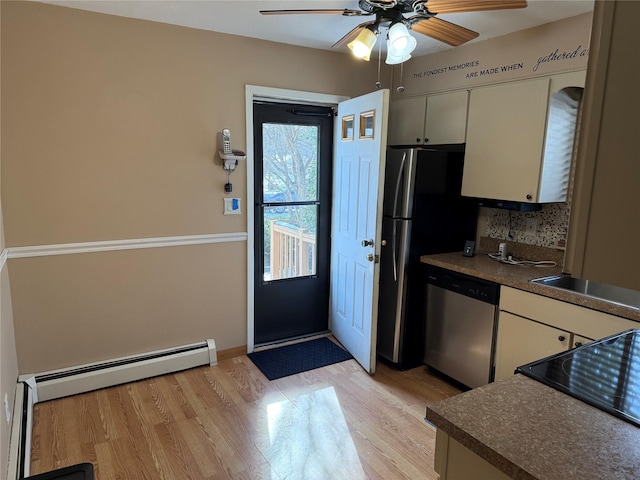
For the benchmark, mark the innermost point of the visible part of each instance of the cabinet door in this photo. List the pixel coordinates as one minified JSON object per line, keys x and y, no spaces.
{"x":505,"y":137}
{"x":406,"y":121}
{"x":454,"y":461}
{"x":521,"y":341}
{"x":446,"y":120}
{"x":562,"y":315}
{"x":578,"y":341}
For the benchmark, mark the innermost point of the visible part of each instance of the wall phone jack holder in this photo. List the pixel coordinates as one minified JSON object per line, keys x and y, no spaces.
{"x":229,"y":167}
{"x":229,"y":156}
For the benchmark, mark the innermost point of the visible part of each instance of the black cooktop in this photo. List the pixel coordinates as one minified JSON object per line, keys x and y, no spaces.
{"x":604,"y":373}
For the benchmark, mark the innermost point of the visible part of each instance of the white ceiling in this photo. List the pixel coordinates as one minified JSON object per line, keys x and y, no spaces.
{"x":242,"y":17}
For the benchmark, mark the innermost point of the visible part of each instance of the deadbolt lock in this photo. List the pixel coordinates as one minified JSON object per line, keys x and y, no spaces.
{"x":373,"y":258}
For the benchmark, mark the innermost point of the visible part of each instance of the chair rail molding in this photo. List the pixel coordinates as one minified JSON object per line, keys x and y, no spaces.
{"x":112,"y":245}
{"x":3,"y":258}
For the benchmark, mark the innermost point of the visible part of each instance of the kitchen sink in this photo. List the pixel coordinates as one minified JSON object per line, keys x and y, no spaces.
{"x":602,"y":291}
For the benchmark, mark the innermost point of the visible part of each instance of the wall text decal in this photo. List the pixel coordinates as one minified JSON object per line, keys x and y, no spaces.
{"x":557,"y":55}
{"x":494,"y":70}
{"x":450,"y":68}
{"x":552,"y":48}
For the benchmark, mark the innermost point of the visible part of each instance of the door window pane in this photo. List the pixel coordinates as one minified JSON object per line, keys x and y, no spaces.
{"x":290,"y":241}
{"x":290,"y":162}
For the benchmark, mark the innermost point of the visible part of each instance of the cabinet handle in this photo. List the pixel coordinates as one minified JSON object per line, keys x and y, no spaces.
{"x":562,"y":338}
{"x":418,"y":140}
{"x":426,"y":140}
{"x":529,"y":196}
{"x":578,"y":344}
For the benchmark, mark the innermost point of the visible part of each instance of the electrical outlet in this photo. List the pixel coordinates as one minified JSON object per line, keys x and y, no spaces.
{"x":7,"y":410}
{"x":531,"y":227}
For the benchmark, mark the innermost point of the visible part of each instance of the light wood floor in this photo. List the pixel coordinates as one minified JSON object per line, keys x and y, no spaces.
{"x":229,"y":421}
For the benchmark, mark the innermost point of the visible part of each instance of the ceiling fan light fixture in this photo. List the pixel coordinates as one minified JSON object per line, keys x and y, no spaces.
{"x":363,"y":44}
{"x":400,"y":40}
{"x":395,"y":58}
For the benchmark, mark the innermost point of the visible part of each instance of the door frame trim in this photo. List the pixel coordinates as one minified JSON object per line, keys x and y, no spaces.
{"x":252,"y":93}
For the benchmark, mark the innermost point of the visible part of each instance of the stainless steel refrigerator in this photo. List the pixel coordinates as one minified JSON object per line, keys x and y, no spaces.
{"x":423,"y":213}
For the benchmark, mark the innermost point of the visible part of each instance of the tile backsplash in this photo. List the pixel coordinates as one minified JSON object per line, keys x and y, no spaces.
{"x":552,"y":224}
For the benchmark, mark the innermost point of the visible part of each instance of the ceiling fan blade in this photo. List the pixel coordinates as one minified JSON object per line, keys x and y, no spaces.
{"x":461,"y":6}
{"x":322,"y":11}
{"x":444,"y":31}
{"x":351,"y":35}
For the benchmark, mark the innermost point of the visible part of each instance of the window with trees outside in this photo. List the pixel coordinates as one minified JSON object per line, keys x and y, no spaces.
{"x":290,"y":200}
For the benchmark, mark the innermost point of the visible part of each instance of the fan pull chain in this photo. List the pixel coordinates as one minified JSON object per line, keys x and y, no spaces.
{"x":379,"y":83}
{"x":400,"y":88}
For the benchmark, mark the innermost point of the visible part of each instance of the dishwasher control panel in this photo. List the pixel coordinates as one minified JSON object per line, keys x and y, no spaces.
{"x":467,"y":285}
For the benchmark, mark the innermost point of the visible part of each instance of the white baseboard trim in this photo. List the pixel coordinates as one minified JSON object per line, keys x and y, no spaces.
{"x":113,"y":245}
{"x":20,"y":440}
{"x":94,"y":376}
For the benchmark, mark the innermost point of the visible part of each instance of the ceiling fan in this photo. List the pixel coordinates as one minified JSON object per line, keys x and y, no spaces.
{"x":421,"y":18}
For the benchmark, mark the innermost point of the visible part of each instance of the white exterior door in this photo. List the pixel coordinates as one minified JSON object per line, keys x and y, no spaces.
{"x":360,"y":141}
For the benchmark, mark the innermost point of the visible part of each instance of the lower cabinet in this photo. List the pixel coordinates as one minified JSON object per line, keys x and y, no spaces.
{"x":521,"y":341}
{"x":531,"y":327}
{"x":454,"y":461}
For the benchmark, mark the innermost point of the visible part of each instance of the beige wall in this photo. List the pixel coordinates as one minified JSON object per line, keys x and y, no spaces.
{"x":113,"y":121}
{"x":8,"y":357}
{"x":70,"y":309}
{"x":109,"y":129}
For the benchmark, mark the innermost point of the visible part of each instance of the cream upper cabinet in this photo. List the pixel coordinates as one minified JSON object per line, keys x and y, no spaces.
{"x":434,"y":120}
{"x":520,"y":139}
{"x":406,"y":121}
{"x":446,"y":119}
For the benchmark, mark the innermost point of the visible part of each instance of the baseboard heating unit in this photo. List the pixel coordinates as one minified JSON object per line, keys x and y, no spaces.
{"x":41,"y":387}
{"x":20,"y":442}
{"x":85,"y":378}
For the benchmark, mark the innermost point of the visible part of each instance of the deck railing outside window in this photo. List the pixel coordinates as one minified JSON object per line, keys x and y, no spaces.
{"x":292,"y":251}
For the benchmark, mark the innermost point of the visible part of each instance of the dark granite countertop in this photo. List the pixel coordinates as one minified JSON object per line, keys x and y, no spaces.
{"x":532,"y":432}
{"x":516,"y":276}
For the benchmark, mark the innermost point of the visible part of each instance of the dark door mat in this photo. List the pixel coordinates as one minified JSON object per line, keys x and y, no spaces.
{"x":300,"y":357}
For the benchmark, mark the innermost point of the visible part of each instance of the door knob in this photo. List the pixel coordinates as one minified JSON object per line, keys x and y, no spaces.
{"x":383,"y":243}
{"x":367,"y":243}
{"x":370,"y":257}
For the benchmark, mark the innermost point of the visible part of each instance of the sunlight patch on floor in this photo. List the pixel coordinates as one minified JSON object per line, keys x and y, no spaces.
{"x":309,"y":438}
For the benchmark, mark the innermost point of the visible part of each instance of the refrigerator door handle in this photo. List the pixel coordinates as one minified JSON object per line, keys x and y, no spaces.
{"x":393,"y":249}
{"x":398,"y":180}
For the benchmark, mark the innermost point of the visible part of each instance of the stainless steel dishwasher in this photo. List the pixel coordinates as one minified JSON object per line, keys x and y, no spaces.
{"x":461,"y":314}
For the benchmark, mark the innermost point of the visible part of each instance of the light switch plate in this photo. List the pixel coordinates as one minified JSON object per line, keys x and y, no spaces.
{"x":232,"y":206}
